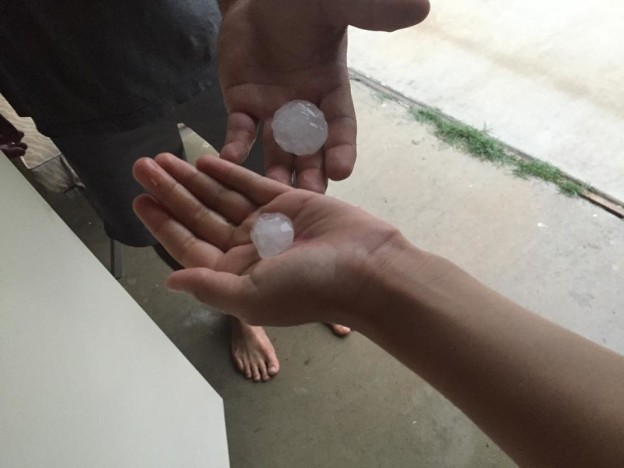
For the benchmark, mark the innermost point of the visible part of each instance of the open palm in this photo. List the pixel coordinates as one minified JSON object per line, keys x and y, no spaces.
{"x":204,"y":219}
{"x":274,"y":51}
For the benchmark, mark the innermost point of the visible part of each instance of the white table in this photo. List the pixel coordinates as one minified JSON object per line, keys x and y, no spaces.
{"x":86,"y":378}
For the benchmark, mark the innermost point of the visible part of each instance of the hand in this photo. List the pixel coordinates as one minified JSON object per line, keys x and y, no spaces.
{"x":274,"y":51}
{"x":11,"y":139}
{"x":204,"y":219}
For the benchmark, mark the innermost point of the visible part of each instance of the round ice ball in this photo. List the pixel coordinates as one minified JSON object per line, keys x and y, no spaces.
{"x":272,"y":234}
{"x":299,"y":127}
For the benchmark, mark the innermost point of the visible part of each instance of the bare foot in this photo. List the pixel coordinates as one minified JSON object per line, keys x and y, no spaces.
{"x":253,"y":352}
{"x":339,"y":330}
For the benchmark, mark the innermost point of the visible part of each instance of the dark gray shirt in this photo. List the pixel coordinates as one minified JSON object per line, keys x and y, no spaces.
{"x":92,"y":66}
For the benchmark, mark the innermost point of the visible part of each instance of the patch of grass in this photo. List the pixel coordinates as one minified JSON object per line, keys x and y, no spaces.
{"x":548,"y":173}
{"x":537,"y":169}
{"x":481,"y":145}
{"x":383,"y":97}
{"x":476,"y":142}
{"x":572,"y":188}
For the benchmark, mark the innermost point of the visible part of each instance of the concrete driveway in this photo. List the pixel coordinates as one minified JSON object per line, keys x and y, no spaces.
{"x":344,"y":403}
{"x":546,"y":77}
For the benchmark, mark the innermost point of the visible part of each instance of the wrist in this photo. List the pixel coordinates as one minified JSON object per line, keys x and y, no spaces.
{"x":393,"y":280}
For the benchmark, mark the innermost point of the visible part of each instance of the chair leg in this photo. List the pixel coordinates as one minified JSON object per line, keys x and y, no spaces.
{"x":116,"y":259}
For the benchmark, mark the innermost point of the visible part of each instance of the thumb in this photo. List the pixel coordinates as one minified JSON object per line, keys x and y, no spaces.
{"x":377,"y":15}
{"x":224,"y":291}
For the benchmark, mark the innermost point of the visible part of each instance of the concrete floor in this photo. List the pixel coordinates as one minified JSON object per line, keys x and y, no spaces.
{"x":345,"y":403}
{"x":546,"y":77}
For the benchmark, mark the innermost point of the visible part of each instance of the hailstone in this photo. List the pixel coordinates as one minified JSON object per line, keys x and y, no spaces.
{"x":299,"y":127}
{"x":272,"y":234}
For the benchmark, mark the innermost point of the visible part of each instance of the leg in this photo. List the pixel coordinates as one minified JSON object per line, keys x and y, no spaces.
{"x":116,"y":259}
{"x":252,"y":351}
{"x":104,"y":164}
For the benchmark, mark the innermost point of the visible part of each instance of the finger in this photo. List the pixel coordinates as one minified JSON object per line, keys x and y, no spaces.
{"x":278,"y":164}
{"x":14,"y":152}
{"x":340,"y":147}
{"x":181,"y":243}
{"x":260,"y":190}
{"x":226,"y":202}
{"x":190,"y":212}
{"x":224,"y":291}
{"x":377,"y":15}
{"x":14,"y":144}
{"x":240,"y":136}
{"x":310,"y":173}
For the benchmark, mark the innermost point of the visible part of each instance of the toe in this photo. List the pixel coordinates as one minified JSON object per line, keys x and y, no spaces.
{"x":272,"y":364}
{"x":273,"y":368}
{"x":247,"y":367}
{"x":339,"y":330}
{"x":256,"y":373}
{"x":263,"y":371}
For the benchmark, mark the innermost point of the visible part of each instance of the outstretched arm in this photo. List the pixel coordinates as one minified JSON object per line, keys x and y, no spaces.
{"x":274,"y":51}
{"x":547,"y":396}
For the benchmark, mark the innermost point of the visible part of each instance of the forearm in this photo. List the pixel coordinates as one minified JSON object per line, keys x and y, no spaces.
{"x":545,"y":395}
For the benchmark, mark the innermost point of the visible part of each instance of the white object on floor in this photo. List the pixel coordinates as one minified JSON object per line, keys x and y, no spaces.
{"x":299,"y":127}
{"x":88,"y":379}
{"x":272,"y":234}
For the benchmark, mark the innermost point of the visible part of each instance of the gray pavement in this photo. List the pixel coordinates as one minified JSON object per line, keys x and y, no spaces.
{"x":344,"y":402}
{"x":546,"y":77}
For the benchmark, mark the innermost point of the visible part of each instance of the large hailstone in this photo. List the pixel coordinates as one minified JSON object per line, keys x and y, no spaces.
{"x":299,"y":127}
{"x":272,"y":234}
